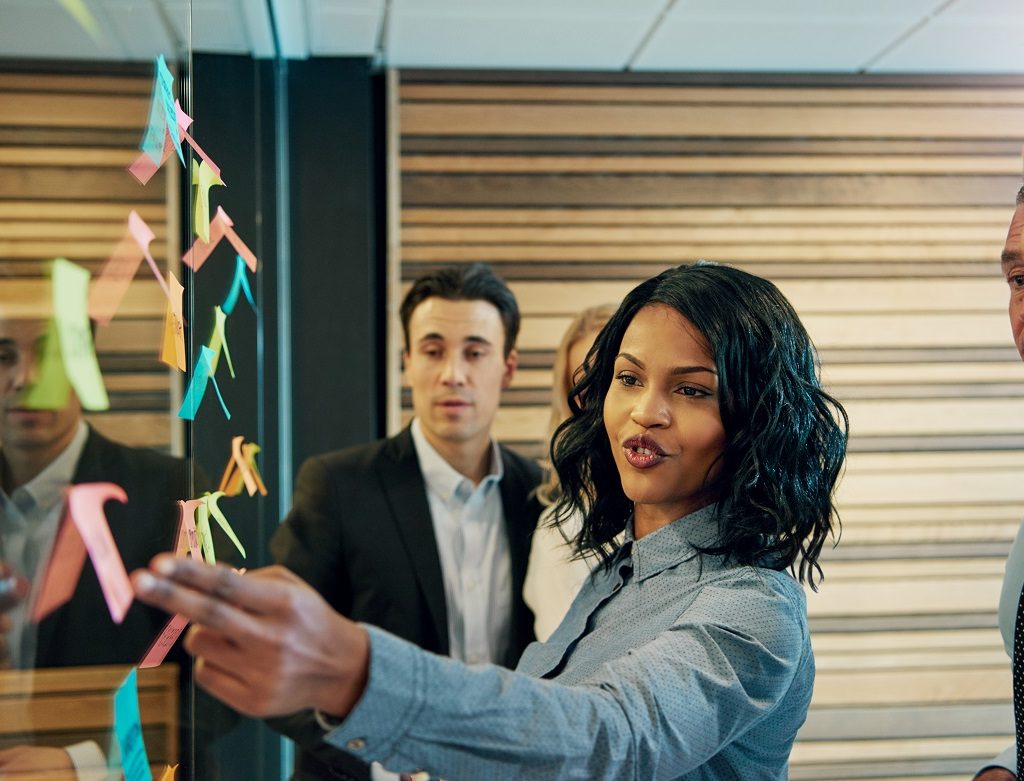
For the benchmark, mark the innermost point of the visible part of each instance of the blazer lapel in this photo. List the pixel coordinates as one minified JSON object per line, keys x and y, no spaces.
{"x":406,"y":495}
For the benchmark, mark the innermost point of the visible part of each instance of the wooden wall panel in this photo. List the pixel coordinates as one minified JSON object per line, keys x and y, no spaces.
{"x":65,"y":142}
{"x":880,"y":208}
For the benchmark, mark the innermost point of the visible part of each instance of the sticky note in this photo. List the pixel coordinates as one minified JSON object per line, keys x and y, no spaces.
{"x":62,"y":570}
{"x":159,"y":648}
{"x":219,"y":341}
{"x":165,"y":91}
{"x":144,"y":236}
{"x":188,"y":539}
{"x":240,"y":282}
{"x":220,"y":227}
{"x":128,"y":729}
{"x":51,"y":386}
{"x":168,"y":773}
{"x":85,"y":506}
{"x":108,"y":289}
{"x":241,"y":468}
{"x":70,"y":306}
{"x":213,"y":508}
{"x":202,"y":375}
{"x":81,"y":14}
{"x":203,"y":178}
{"x":172,"y":351}
{"x":205,"y":534}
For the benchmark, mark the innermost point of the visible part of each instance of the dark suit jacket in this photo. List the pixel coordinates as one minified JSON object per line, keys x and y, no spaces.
{"x":361,"y":534}
{"x":81,"y":632}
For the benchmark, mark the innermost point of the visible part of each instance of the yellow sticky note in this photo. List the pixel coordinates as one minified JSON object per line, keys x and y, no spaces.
{"x":71,"y":307}
{"x":172,"y":352}
{"x":219,"y":341}
{"x":169,"y":773}
{"x":203,"y":178}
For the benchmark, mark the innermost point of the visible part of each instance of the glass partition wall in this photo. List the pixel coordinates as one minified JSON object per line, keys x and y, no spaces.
{"x":131,"y":376}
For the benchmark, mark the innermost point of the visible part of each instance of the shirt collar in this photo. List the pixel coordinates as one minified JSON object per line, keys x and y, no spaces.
{"x":46,"y":489}
{"x":439,"y":475}
{"x":672,"y":544}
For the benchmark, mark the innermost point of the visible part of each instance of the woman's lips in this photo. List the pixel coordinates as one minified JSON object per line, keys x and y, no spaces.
{"x":643,"y":452}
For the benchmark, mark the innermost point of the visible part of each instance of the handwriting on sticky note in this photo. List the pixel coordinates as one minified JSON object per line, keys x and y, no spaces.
{"x":85,"y":505}
{"x":128,"y":730}
{"x":158,"y":650}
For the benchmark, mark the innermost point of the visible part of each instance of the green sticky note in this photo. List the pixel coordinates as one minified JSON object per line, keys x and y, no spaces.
{"x":71,"y":313}
{"x":51,"y":387}
{"x":218,"y":514}
{"x":204,"y":533}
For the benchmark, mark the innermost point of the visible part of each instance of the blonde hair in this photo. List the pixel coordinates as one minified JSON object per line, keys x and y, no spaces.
{"x":587,"y":323}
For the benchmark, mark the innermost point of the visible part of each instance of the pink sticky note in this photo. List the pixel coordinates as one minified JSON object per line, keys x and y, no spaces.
{"x":108,"y":289}
{"x":143,"y":167}
{"x":241,"y":248}
{"x":85,"y":505}
{"x":62,"y":570}
{"x":157,"y":652}
{"x":144,"y":236}
{"x":200,"y":250}
{"x":188,"y":539}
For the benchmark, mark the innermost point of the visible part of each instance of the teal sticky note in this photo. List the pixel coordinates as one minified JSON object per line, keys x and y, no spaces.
{"x":202,"y":375}
{"x":240,"y":282}
{"x":165,"y":88}
{"x":128,"y":730}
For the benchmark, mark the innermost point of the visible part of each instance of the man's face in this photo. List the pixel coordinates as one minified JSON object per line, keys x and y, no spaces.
{"x":1013,"y":272}
{"x":21,"y":345}
{"x":456,"y":369}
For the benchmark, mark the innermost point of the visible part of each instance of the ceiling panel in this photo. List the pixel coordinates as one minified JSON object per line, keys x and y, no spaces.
{"x":512,"y":39}
{"x":344,"y":27}
{"x":782,"y":35}
{"x":31,"y":28}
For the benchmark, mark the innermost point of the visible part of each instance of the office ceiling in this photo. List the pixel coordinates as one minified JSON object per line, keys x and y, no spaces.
{"x":828,"y":36}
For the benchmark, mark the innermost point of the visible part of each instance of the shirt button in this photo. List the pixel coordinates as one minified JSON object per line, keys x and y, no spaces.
{"x":356,"y":744}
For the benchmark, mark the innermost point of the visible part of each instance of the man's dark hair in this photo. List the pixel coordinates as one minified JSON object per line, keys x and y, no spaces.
{"x":473,"y":282}
{"x":1020,"y":195}
{"x":785,"y":436}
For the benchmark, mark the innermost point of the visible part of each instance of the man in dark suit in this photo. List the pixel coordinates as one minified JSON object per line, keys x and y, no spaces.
{"x":42,"y":452}
{"x":426,"y":534}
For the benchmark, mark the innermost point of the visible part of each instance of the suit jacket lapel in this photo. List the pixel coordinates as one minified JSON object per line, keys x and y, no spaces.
{"x":406,"y":495}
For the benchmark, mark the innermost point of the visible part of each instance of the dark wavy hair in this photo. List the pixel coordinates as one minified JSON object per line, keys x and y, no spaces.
{"x":785,"y":436}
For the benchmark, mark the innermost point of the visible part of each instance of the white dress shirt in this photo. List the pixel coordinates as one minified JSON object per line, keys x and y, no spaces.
{"x":469,"y":526}
{"x":29,"y":518}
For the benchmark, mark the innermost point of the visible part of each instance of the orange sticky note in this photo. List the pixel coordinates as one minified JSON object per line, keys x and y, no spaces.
{"x":168,"y":773}
{"x":85,"y":506}
{"x":172,"y":352}
{"x":241,"y":469}
{"x":188,"y":540}
{"x":62,"y":570}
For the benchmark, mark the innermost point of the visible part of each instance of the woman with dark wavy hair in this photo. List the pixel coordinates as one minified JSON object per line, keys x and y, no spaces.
{"x":701,"y":433}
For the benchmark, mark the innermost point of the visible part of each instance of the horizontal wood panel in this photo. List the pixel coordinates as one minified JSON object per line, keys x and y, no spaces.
{"x":880,"y":209}
{"x":74,"y":110}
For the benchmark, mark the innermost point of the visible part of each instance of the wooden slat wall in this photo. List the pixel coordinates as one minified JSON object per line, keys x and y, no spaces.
{"x":66,"y":139}
{"x":880,"y":209}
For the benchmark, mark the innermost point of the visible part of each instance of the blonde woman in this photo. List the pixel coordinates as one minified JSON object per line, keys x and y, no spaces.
{"x":554,"y":573}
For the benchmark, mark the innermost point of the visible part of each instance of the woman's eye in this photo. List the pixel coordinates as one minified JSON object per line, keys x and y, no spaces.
{"x":627,"y":379}
{"x":689,"y":390}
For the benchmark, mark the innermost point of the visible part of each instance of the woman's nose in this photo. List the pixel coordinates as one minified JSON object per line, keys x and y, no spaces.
{"x":651,"y":410}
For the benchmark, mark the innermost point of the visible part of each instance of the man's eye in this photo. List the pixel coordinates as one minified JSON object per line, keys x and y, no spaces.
{"x":1017,"y":281}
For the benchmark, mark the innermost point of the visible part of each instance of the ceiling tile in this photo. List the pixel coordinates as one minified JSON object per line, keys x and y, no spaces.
{"x":512,"y":40}
{"x":779,"y":37}
{"x":344,"y":29}
{"x":563,"y":8}
{"x":959,"y":46}
{"x":33,"y":29}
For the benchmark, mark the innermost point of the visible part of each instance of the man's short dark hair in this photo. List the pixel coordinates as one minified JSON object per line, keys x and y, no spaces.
{"x":1020,"y":195}
{"x":473,"y":282}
